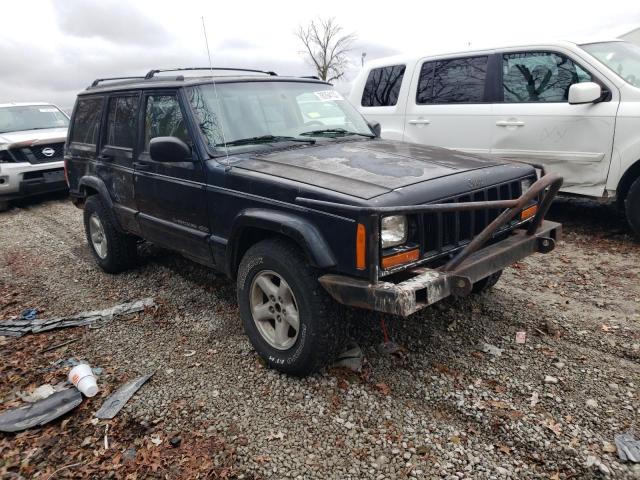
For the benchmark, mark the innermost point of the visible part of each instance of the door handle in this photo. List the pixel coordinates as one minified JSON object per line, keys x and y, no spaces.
{"x":105,"y":158}
{"x":509,"y":123}
{"x":141,"y":165}
{"x":420,"y":121}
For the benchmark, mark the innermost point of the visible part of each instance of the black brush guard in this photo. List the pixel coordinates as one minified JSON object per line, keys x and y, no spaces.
{"x":423,"y":286}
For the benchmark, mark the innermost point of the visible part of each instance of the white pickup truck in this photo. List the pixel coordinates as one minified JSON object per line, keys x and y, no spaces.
{"x":32,"y":137}
{"x":574,"y":108}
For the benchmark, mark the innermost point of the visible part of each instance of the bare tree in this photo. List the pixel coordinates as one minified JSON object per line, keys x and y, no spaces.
{"x":327,"y":47}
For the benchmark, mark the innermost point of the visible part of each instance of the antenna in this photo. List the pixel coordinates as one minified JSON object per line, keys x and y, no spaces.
{"x":215,"y":92}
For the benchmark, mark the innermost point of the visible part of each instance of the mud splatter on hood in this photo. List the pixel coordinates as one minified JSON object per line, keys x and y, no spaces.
{"x":365,"y":169}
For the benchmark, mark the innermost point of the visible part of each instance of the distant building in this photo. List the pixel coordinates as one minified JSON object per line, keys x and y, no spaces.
{"x":633,"y":36}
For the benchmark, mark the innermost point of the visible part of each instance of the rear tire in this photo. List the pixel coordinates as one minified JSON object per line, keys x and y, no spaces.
{"x":632,"y":207}
{"x":289,"y":318}
{"x":113,"y":250}
{"x":486,"y":283}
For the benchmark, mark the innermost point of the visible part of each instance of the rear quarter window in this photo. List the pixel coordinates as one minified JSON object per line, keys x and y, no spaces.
{"x":86,"y":121}
{"x":383,"y":86}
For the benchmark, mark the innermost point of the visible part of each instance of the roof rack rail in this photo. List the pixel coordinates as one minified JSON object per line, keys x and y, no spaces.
{"x":313,"y":77}
{"x":98,"y":80}
{"x":151,"y":73}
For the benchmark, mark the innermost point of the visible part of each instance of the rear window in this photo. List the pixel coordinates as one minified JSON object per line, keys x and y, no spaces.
{"x":121,"y":121}
{"x":86,"y":121}
{"x":459,"y":80}
{"x":383,"y":86}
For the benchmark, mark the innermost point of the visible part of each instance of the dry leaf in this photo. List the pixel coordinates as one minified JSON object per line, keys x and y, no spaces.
{"x":504,"y":448}
{"x":383,"y":388}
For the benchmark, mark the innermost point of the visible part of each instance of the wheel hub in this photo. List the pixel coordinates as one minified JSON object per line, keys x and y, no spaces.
{"x":274,"y":310}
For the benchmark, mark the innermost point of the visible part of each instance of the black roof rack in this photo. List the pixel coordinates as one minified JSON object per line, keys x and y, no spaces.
{"x":151,"y":73}
{"x":98,"y":80}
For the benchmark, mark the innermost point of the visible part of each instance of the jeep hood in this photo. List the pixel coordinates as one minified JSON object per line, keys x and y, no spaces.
{"x":33,"y":137}
{"x":368,"y":168}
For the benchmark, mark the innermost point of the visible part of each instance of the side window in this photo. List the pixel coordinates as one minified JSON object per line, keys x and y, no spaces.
{"x":121,"y":121}
{"x":163,"y":118}
{"x":539,"y":77}
{"x":459,"y":80}
{"x":86,"y":120}
{"x":383,"y":86}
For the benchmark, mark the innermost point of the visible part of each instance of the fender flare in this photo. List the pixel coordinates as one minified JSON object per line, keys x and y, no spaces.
{"x":300,"y":230}
{"x":98,"y":185}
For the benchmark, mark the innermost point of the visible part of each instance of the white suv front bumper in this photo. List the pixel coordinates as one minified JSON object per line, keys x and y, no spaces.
{"x":24,"y":179}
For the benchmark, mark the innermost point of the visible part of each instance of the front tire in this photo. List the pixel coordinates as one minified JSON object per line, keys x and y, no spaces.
{"x":113,"y":250}
{"x":486,"y":283}
{"x":289,"y":318}
{"x":632,"y":207}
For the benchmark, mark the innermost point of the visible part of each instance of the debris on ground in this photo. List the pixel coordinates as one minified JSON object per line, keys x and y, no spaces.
{"x":29,"y":314}
{"x":490,"y":349}
{"x":84,"y":380}
{"x":521,"y":337}
{"x":353,"y":359}
{"x":19,"y":327}
{"x":40,"y":393}
{"x":117,"y":400}
{"x":628,"y":447}
{"x":40,"y":412}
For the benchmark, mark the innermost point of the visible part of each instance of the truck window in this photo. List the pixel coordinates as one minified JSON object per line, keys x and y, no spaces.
{"x":383,"y":86}
{"x":459,"y":80}
{"x":163,"y":118}
{"x":121,"y":121}
{"x":86,"y":121}
{"x":539,"y":77}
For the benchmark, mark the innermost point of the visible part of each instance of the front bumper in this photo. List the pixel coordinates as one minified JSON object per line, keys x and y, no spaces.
{"x":18,"y":180}
{"x":426,"y":286}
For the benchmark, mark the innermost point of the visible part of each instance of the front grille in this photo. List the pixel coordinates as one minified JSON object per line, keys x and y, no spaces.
{"x":48,"y":152}
{"x":448,"y":231}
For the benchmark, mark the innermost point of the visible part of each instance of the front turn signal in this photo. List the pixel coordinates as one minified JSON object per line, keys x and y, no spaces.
{"x":529,"y":212}
{"x":400,"y":258}
{"x":361,"y":243}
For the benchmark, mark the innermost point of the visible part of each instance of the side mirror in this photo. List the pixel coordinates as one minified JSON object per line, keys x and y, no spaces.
{"x":586,"y":92}
{"x":376,"y":128}
{"x":169,"y":149}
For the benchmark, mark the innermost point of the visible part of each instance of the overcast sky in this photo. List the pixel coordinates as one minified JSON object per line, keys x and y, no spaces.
{"x":51,"y":49}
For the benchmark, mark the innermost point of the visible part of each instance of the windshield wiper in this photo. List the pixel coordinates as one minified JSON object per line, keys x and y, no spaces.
{"x":265,"y":139}
{"x":335,"y":131}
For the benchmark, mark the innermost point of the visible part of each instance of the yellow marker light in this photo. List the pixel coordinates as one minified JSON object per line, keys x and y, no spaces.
{"x":529,"y":212}
{"x":361,"y":243}
{"x":400,"y":258}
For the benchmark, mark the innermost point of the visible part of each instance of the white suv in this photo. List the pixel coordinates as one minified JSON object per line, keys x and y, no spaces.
{"x":573,"y":108}
{"x":32,"y":137}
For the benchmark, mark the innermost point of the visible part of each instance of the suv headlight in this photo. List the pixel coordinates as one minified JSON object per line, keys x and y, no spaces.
{"x":393,"y":231}
{"x":525,"y":184}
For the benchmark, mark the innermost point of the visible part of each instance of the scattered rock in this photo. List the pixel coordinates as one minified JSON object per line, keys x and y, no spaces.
{"x":550,"y":379}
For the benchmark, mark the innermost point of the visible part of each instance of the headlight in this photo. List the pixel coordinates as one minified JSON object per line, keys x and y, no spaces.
{"x":525,"y":184}
{"x":393,"y":231}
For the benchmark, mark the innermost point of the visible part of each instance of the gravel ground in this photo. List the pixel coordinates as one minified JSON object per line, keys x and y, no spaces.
{"x":440,"y":407}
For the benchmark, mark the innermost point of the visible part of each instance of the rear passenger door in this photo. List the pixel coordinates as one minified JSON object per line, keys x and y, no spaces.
{"x":115,"y":159}
{"x":449,"y":104}
{"x":170,"y":195}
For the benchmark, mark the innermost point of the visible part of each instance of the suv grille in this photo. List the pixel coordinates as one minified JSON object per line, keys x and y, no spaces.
{"x":44,"y":153}
{"x":449,"y":231}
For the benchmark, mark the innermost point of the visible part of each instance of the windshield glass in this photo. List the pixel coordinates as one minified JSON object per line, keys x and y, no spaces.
{"x":252,"y":113}
{"x":621,"y":57}
{"x":33,"y":117}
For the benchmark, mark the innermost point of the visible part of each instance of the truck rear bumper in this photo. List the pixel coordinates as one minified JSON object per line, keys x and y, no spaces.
{"x":421,"y":286}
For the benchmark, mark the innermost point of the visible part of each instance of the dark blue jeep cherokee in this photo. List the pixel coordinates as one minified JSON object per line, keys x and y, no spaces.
{"x":282,"y":185}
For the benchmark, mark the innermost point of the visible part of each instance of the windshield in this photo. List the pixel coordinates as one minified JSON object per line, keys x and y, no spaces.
{"x":33,"y":117}
{"x":621,"y":57}
{"x":252,"y":113}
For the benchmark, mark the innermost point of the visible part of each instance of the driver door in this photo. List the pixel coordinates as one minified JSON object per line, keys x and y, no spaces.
{"x":170,"y":195}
